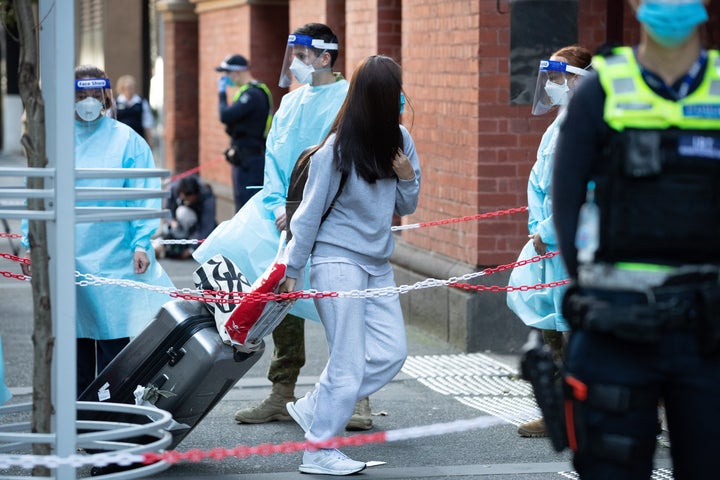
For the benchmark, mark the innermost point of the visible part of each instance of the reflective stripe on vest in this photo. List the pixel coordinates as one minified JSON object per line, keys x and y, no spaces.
{"x":265,"y":89}
{"x":631,"y":103}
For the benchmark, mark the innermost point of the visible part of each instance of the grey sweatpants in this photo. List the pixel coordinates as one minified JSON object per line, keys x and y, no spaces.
{"x":366,"y":340}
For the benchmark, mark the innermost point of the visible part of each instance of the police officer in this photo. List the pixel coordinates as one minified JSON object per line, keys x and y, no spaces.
{"x":637,"y":211}
{"x":247,"y":120}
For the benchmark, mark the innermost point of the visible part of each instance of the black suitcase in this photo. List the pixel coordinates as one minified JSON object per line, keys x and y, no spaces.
{"x":181,"y":355}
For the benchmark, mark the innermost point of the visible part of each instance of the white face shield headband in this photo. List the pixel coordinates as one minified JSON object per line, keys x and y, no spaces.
{"x":90,"y":95}
{"x":301,"y":55}
{"x":552,"y":87}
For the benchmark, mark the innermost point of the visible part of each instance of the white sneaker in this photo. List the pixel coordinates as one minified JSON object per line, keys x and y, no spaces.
{"x":299,"y":413}
{"x":329,"y":462}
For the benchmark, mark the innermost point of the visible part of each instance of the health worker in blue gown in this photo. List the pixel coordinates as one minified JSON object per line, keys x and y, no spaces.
{"x":252,"y":237}
{"x":109,"y":315}
{"x":4,"y":391}
{"x":557,"y":77}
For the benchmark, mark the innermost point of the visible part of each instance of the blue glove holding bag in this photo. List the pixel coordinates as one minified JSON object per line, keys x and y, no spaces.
{"x":222,"y":83}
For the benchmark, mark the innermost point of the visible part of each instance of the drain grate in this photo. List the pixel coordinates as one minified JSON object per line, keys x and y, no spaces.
{"x":478,"y":385}
{"x":483,"y":383}
{"x":477,"y":381}
{"x":451,"y":365}
{"x":659,"y":474}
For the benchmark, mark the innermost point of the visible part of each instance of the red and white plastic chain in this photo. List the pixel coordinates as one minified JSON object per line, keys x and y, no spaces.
{"x":242,"y":451}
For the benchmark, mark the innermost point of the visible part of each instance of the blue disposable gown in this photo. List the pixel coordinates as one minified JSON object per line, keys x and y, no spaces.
{"x":540,"y":308}
{"x":250,"y":239}
{"x":4,"y":392}
{"x":106,"y":249}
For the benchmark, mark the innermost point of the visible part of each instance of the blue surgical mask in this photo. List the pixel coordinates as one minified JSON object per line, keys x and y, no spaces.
{"x":402,"y":103}
{"x":671,"y":24}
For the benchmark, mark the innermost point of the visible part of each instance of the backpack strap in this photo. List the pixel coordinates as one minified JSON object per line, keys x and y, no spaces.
{"x":298,"y":177}
{"x":343,"y":178}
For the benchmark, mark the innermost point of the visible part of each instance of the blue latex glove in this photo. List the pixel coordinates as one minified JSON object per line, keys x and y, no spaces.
{"x":222,"y":83}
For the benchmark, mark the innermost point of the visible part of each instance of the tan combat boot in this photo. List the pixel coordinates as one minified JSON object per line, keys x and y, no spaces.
{"x":272,"y":408}
{"x":533,"y":429}
{"x":361,"y":418}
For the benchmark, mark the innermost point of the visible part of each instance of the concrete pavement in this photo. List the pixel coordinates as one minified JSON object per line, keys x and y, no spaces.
{"x":438,"y":384}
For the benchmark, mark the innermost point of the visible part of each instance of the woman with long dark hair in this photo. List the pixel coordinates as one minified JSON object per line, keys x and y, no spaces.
{"x":370,"y":158}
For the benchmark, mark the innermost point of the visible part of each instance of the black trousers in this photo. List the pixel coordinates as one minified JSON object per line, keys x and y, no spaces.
{"x":93,"y":356}
{"x":688,"y":383}
{"x":250,"y":175}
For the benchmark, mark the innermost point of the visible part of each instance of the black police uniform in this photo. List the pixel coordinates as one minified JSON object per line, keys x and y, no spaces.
{"x":245,"y":121}
{"x":630,"y":348}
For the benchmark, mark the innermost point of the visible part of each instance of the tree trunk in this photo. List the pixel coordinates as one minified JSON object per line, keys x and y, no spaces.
{"x":33,"y":141}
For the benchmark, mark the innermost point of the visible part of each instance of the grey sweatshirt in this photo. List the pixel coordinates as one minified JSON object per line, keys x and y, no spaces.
{"x":358,"y":226}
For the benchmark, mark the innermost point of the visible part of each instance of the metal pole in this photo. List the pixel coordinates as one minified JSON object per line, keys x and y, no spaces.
{"x":57,"y":69}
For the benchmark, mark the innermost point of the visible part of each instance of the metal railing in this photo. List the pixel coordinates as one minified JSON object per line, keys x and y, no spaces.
{"x":96,"y":436}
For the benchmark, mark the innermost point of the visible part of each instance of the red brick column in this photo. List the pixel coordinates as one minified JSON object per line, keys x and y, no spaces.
{"x":181,"y":84}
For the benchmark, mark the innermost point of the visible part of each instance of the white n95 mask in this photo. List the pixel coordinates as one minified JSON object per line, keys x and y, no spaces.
{"x":558,"y":92}
{"x":301,"y":71}
{"x":88,"y":109}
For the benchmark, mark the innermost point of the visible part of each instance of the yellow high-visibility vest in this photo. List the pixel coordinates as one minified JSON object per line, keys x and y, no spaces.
{"x":631,"y":103}
{"x":265,"y":89}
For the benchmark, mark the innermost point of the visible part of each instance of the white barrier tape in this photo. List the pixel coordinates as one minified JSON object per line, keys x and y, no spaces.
{"x":125,"y":459}
{"x":478,"y":423}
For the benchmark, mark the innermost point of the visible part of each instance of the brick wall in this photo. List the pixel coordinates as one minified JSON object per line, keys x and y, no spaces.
{"x":389,"y":29}
{"x":181,"y":92}
{"x":475,"y":148}
{"x":444,"y":60}
{"x":362,"y":29}
{"x":243,"y":28}
{"x":221,"y":32}
{"x":373,"y":29}
{"x":308,"y":11}
{"x":335,"y":18}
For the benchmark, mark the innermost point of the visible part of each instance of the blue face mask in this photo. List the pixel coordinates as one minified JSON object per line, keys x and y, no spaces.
{"x":671,"y":24}
{"x":402,"y":103}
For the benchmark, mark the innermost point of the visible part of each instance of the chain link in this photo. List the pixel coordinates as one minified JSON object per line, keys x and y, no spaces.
{"x":168,"y":241}
{"x":15,"y":258}
{"x":224,"y":297}
{"x":10,"y":235}
{"x":467,"y":218}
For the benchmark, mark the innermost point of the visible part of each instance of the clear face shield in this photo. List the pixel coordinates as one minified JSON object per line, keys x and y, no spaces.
{"x":554,"y":83}
{"x":302,"y":59}
{"x":92,"y":98}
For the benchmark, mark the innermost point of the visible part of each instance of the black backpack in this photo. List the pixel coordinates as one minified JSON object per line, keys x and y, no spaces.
{"x":298,"y":179}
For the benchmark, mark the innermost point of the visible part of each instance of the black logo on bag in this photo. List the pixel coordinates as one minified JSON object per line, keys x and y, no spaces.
{"x":220,"y":274}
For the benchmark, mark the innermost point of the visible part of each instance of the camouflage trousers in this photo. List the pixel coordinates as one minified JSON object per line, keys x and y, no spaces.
{"x":289,"y":354}
{"x":556,"y":341}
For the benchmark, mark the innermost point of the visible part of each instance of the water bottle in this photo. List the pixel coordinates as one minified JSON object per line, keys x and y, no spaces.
{"x":587,"y":238}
